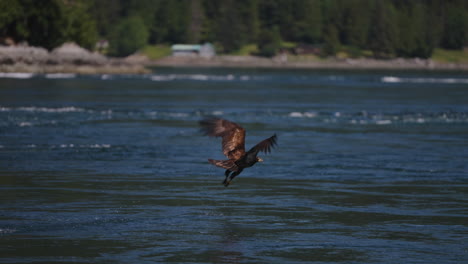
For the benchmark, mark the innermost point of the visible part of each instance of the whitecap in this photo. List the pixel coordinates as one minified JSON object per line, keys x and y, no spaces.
{"x":383,"y":122}
{"x":198,"y":77}
{"x":60,"y":75}
{"x":161,"y":78}
{"x":393,"y":79}
{"x":5,"y":109}
{"x":178,"y":114}
{"x":194,"y":77}
{"x":16,"y":75}
{"x":7,"y":231}
{"x":310,"y":114}
{"x":106,"y":77}
{"x":51,"y":110}
{"x":217,"y":113}
{"x":303,"y":114}
{"x":296,"y":114}
{"x":106,"y":112}
{"x":25,"y":124}
{"x":98,"y":146}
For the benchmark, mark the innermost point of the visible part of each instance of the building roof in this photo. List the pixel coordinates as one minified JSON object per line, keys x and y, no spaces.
{"x":185,"y":47}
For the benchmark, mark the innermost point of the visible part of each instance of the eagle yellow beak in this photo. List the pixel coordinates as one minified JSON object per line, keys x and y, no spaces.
{"x":259,"y":160}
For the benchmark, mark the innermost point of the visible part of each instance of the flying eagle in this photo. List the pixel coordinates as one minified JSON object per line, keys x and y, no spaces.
{"x":233,"y":145}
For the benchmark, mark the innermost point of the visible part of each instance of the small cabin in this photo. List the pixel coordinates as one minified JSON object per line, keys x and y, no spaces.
{"x":186,"y":50}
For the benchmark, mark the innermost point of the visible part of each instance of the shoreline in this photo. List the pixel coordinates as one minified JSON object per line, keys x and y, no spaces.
{"x":72,"y":59}
{"x":75,"y":69}
{"x":226,"y":61}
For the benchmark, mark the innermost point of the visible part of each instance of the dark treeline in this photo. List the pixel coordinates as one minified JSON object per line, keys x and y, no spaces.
{"x":387,"y":28}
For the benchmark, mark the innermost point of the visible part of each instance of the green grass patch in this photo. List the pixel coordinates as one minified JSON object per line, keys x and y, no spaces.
{"x":450,"y":56}
{"x":305,"y":58}
{"x":288,"y":45}
{"x":246,"y":50}
{"x":155,"y":52}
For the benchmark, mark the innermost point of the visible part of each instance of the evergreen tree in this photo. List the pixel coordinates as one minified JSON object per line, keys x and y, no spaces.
{"x":11,"y":12}
{"x":455,"y":34}
{"x":269,"y":42}
{"x":41,"y":23}
{"x":195,"y":22}
{"x":128,"y":36}
{"x":331,"y":42}
{"x":106,"y":13}
{"x":248,"y":13}
{"x":355,"y":22}
{"x":383,"y":31}
{"x":171,"y":22}
{"x":416,"y":37}
{"x":80,"y":27}
{"x":302,"y":22}
{"x":270,"y":13}
{"x":236,"y":24}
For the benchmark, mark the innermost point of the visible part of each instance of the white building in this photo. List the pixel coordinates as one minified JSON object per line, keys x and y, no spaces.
{"x":185,"y":50}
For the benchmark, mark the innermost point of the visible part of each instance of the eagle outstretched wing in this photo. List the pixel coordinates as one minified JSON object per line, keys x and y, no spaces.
{"x":233,"y":135}
{"x":264,"y":145}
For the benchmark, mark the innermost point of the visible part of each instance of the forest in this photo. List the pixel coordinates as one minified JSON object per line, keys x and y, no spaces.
{"x":381,"y":28}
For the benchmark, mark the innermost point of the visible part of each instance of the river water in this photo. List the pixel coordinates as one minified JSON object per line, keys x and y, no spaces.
{"x":370,"y":167}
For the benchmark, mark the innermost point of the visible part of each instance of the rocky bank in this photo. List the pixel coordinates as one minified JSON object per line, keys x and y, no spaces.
{"x":68,"y":58}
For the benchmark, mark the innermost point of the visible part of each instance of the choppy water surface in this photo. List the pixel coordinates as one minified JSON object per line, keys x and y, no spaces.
{"x":370,"y":168}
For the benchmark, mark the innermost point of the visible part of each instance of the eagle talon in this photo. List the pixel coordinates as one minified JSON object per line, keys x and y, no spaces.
{"x":226,"y":182}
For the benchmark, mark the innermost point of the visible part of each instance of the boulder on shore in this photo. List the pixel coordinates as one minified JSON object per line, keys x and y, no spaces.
{"x":71,"y":53}
{"x":68,"y":58}
{"x":23,"y":54}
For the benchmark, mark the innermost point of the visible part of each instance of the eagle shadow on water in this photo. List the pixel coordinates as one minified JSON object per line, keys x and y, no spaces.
{"x":233,"y":146}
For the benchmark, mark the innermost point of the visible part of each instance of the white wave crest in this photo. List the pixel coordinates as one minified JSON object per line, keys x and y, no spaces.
{"x":7,"y":231}
{"x":195,"y":77}
{"x":393,"y":79}
{"x":177,"y":114}
{"x":383,"y":122}
{"x":43,"y":109}
{"x":303,"y":114}
{"x":60,"y":75}
{"x":25,"y":124}
{"x":83,"y":146}
{"x":217,"y":113}
{"x":16,"y":75}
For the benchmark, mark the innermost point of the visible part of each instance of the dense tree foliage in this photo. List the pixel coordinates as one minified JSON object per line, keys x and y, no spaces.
{"x":387,"y":28}
{"x":47,"y":23}
{"x":129,"y":35}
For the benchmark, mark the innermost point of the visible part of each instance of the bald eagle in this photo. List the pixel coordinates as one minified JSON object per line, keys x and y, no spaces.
{"x":233,"y":146}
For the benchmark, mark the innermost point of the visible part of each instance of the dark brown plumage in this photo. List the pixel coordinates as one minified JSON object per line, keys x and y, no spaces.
{"x":233,"y":146}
